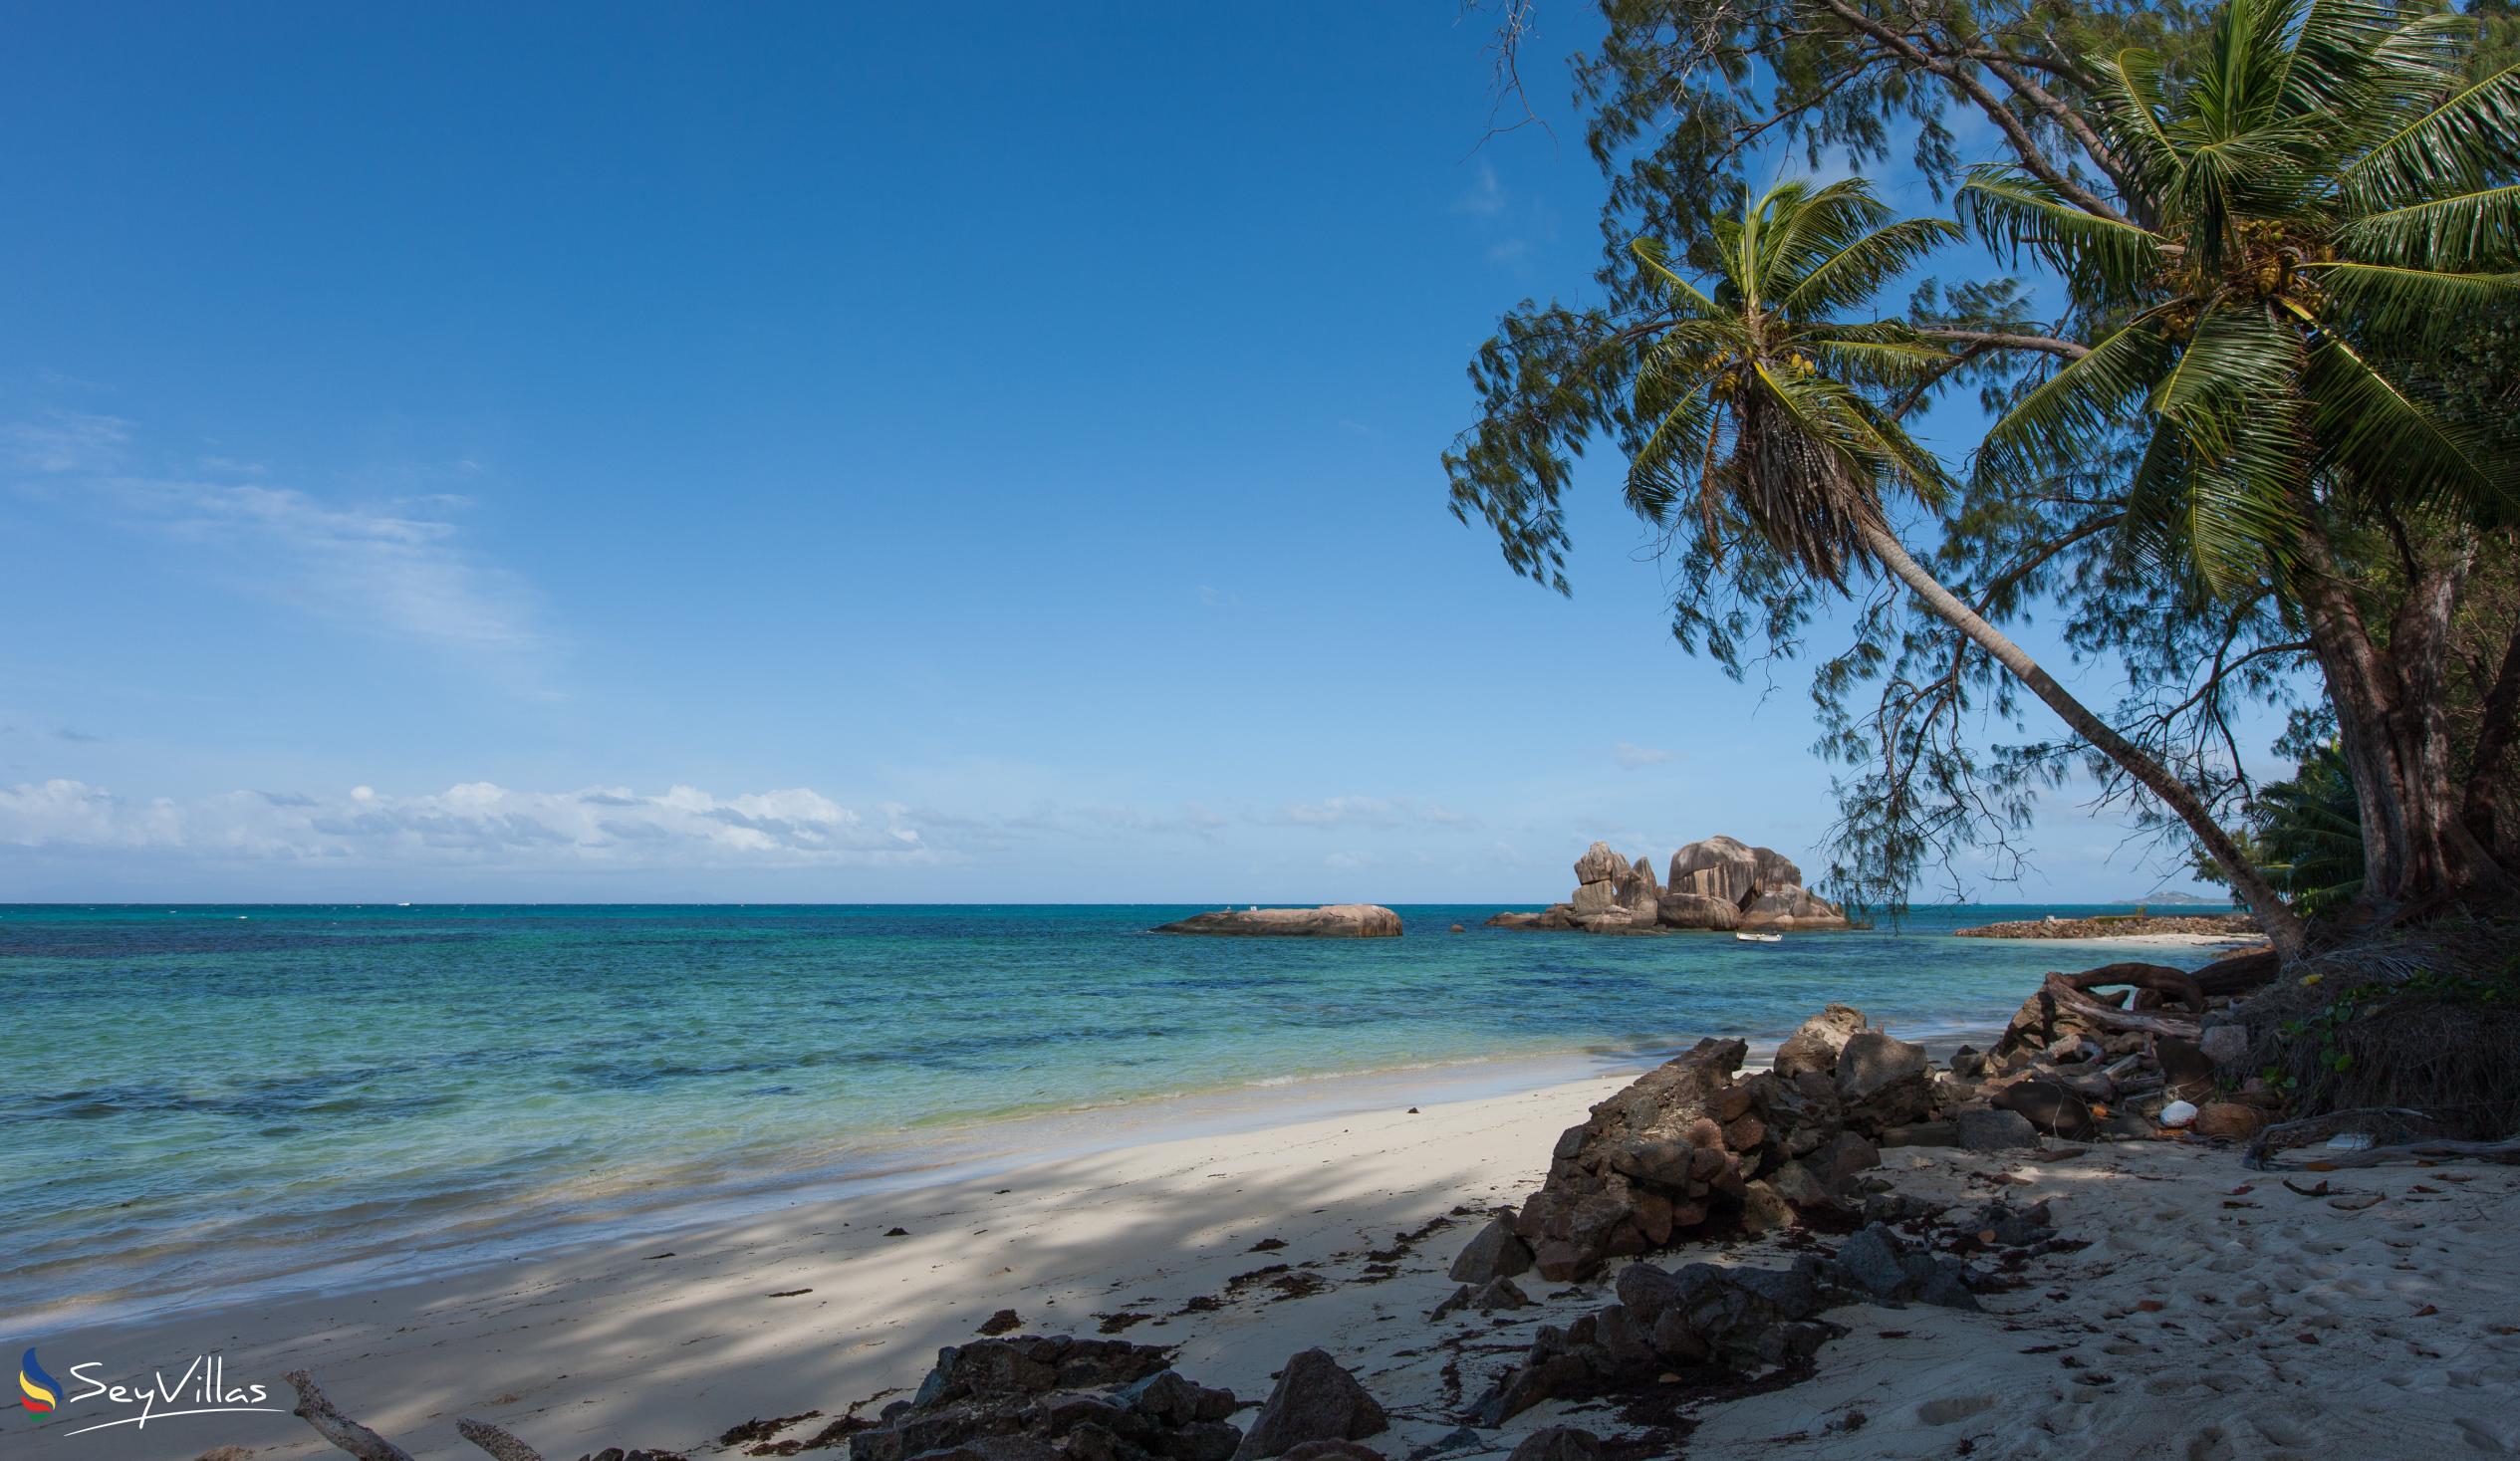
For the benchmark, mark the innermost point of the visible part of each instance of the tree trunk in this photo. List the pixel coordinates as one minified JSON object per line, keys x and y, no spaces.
{"x":2421,"y":851}
{"x":2282,"y":928}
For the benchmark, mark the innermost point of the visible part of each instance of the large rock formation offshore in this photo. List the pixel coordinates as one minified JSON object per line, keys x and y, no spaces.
{"x":1331,"y":920}
{"x":1718,"y":884}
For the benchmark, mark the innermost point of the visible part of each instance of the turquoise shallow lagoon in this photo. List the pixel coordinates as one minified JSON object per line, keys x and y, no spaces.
{"x":199,"y":1100}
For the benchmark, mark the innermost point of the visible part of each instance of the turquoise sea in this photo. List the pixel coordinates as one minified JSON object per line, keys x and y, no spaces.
{"x":198,"y":1100}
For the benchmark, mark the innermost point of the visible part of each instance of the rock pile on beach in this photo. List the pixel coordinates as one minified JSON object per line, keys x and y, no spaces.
{"x":1693,"y":1143}
{"x":1054,"y":1397}
{"x":1331,"y":920}
{"x":1718,"y":884}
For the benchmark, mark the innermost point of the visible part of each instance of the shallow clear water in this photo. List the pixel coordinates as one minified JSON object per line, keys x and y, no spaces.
{"x":202,"y":1095}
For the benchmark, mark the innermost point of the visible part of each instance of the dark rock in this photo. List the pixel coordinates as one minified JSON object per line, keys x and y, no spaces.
{"x":1814,"y":1044}
{"x":1460,"y":1438}
{"x":1737,"y":1317}
{"x":1879,"y":1264}
{"x":1005,"y":1321}
{"x":1314,"y":1400}
{"x":2003,"y":1225}
{"x":1493,"y":1253}
{"x":1842,"y":1159}
{"x":1995,"y":1130}
{"x":1558,"y":1443}
{"x":2048,"y":1106}
{"x":995,"y":1448}
{"x":1331,"y":920}
{"x":1333,"y":1451}
{"x":1649,"y":1161}
{"x":1924,"y":1133}
{"x":1968,"y":1063}
{"x":1035,"y":1396}
{"x":1496,"y":1293}
{"x":1801,"y":1112}
{"x":1900,"y":1207}
{"x":2187,"y":1072}
{"x":1884,"y":1081}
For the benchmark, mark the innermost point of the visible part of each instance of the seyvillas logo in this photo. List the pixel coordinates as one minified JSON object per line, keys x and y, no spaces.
{"x":203,"y":1388}
{"x":37,"y":1391}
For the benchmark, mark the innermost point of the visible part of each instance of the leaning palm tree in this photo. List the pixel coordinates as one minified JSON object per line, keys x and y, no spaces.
{"x":1758,"y":412}
{"x":2312,"y":212}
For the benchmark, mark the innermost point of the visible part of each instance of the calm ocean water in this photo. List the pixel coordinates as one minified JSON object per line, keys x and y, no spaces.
{"x":194,"y":1099}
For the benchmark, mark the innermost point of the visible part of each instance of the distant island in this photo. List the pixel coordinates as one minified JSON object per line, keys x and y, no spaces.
{"x":2173,"y":901}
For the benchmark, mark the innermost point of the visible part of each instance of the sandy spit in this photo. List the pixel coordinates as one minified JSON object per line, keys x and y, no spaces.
{"x":2216,"y":1313}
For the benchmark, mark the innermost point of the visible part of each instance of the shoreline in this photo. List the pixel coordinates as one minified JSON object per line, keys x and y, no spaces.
{"x":2180,"y":1325}
{"x":667,"y":1202}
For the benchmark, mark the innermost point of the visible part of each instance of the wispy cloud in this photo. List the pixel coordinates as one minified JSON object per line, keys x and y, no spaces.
{"x":478,"y":823}
{"x":1485,"y":197}
{"x":399,"y":566}
{"x":66,"y":441}
{"x":1630,"y":755}
{"x":1377,"y":812}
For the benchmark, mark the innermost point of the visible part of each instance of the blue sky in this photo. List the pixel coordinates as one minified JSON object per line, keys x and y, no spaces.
{"x":811,"y":452}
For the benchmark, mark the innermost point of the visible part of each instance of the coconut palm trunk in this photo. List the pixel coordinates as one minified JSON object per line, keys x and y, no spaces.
{"x":2282,"y":928}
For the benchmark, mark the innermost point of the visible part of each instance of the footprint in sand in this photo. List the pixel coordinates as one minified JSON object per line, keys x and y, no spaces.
{"x":2480,"y":1436}
{"x":1950,"y":1408}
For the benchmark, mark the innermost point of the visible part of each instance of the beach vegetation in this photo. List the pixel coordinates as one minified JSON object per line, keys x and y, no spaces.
{"x":2231,"y":285}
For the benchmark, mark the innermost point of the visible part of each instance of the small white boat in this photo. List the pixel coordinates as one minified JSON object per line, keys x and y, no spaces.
{"x":1760,"y":937}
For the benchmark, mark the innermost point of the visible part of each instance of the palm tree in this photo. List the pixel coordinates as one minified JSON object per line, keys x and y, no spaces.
{"x":1760,"y":422}
{"x":2323,"y":196}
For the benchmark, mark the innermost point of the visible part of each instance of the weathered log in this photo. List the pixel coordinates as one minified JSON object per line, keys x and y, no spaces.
{"x":2239,"y":974}
{"x":2064,"y":997}
{"x":499,"y":1443}
{"x":2414,"y":1130}
{"x":2507,"y":1151}
{"x":2161,"y":979}
{"x":334,"y":1426}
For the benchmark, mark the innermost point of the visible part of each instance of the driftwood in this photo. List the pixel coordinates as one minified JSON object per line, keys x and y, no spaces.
{"x":2507,"y":1151}
{"x":2064,"y":996}
{"x":356,"y":1439}
{"x":500,"y":1444}
{"x":2239,"y":974}
{"x":2161,"y":979}
{"x":334,"y":1426}
{"x":2385,"y":1126}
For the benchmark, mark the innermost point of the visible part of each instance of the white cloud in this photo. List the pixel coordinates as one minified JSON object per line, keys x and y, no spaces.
{"x":1630,"y":755}
{"x":398,"y":567}
{"x":477,"y":824}
{"x":1382,"y":812}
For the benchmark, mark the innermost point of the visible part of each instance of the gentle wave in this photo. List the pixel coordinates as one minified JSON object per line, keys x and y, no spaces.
{"x":199,"y":1101}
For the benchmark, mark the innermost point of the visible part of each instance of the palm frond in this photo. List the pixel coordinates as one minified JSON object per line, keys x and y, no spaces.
{"x":1685,"y":296}
{"x":2479,"y":229}
{"x":2448,"y":148}
{"x":1858,"y":268}
{"x":2071,"y":413}
{"x":2415,"y":308}
{"x":2388,"y":441}
{"x":2016,"y":213}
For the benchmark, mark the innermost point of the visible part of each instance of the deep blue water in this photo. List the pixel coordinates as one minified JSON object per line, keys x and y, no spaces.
{"x":200,"y":1095}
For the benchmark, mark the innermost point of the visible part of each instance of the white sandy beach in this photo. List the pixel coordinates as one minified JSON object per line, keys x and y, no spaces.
{"x":2203,"y":1321}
